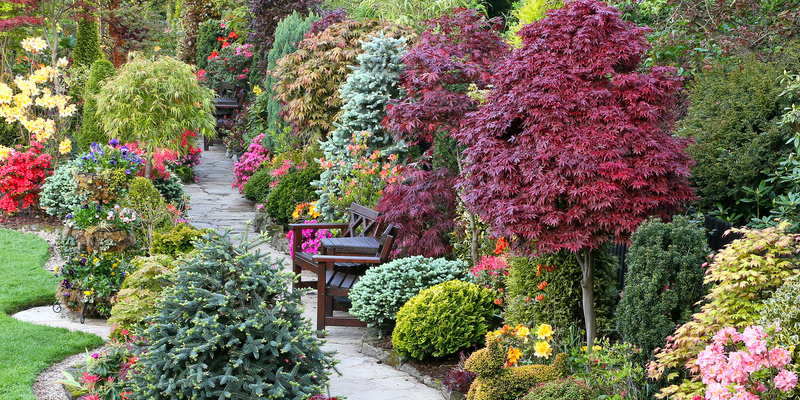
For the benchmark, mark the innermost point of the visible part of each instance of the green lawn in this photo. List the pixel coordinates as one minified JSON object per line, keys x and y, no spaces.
{"x":27,"y":349}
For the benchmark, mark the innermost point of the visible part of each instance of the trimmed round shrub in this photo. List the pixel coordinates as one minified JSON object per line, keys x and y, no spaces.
{"x":171,"y":189}
{"x":257,"y":187}
{"x":443,"y":319}
{"x":175,"y":241}
{"x":294,"y":188}
{"x":382,"y":290}
{"x":562,"y":389}
{"x":231,"y":328}
{"x":59,"y":195}
{"x":663,"y":283}
{"x":560,"y":305}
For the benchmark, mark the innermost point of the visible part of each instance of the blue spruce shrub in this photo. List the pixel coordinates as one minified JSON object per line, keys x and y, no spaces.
{"x":230,"y":328}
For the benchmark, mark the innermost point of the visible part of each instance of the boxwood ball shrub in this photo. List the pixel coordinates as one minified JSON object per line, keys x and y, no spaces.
{"x":384,"y":289}
{"x":231,"y":328}
{"x":664,"y":281}
{"x":443,"y":319}
{"x":59,"y":195}
{"x":560,"y":304}
{"x":257,"y":187}
{"x":294,"y":188}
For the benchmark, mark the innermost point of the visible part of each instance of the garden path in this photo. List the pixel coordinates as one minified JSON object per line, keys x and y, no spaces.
{"x":214,"y":204}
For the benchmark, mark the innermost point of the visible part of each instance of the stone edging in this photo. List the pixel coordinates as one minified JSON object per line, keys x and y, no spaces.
{"x":393,"y":359}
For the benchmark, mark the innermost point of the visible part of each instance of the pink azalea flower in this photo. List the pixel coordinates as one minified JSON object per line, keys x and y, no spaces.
{"x":786,"y":380}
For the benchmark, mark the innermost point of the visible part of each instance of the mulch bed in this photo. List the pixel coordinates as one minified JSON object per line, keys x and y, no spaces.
{"x":28,"y":218}
{"x":437,"y":368}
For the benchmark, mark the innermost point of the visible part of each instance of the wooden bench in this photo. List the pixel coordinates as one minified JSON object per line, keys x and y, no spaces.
{"x":229,"y":100}
{"x":336,"y":275}
{"x":363,"y":224}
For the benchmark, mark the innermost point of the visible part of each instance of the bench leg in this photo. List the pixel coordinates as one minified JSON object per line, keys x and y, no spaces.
{"x":321,"y":295}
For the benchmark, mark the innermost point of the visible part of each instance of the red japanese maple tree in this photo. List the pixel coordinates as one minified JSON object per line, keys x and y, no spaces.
{"x":572,"y":147}
{"x":457,"y":49}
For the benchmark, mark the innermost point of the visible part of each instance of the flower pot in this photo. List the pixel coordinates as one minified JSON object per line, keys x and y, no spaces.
{"x":103,"y":239}
{"x":95,"y":186}
{"x":74,"y":300}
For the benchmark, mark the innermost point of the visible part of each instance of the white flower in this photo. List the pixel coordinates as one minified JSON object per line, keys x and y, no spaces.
{"x":33,"y":44}
{"x":62,"y":62}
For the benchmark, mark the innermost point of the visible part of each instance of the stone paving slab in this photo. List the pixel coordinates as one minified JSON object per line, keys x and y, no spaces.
{"x":46,"y":316}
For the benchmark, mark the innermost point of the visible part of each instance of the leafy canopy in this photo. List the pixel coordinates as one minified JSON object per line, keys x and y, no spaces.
{"x":153,"y":103}
{"x":571,"y":147}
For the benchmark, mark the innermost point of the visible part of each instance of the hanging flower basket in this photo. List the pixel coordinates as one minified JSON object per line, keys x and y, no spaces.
{"x":97,"y":187}
{"x":77,"y":301}
{"x":103,"y":239}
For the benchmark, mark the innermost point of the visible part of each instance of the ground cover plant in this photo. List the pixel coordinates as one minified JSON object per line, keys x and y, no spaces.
{"x":27,"y":349}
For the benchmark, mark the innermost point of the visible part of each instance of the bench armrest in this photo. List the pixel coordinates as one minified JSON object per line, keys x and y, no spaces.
{"x":349,"y":259}
{"x":320,"y":225}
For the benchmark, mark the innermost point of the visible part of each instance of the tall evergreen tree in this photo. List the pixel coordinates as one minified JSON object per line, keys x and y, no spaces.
{"x":90,"y":131}
{"x":87,"y":46}
{"x":365,"y":95}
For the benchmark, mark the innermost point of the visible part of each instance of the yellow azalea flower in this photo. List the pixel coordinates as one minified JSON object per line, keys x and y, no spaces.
{"x":62,"y":62}
{"x":65,"y":147}
{"x":542,"y":349}
{"x":6,"y":93}
{"x":33,"y":44}
{"x":597,"y":348}
{"x":545,"y":331}
{"x":523,"y":331}
{"x":67,"y":111}
{"x":22,"y":100}
{"x":157,"y":48}
{"x":4,"y":152}
{"x":513,"y":355}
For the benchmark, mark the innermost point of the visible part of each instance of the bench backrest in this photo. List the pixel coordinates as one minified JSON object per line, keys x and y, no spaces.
{"x":363,"y":222}
{"x":387,"y":241}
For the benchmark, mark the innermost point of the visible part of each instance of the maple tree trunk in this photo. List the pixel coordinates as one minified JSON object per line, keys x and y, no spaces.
{"x":117,"y":52}
{"x":586,"y":261}
{"x":148,"y":165}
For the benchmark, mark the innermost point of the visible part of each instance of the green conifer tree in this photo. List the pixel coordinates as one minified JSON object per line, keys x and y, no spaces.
{"x":365,"y":94}
{"x":230,"y":328}
{"x":87,"y":43}
{"x":90,"y":131}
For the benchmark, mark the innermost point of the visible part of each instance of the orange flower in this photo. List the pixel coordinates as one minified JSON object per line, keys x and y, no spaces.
{"x":540,"y":297}
{"x":500,"y":246}
{"x":513,"y":355}
{"x":499,"y":302}
{"x":542,"y":285}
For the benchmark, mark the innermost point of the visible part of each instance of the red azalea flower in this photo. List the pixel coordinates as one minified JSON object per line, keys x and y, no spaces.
{"x":213,"y":55}
{"x":225,"y":44}
{"x":233,"y":35}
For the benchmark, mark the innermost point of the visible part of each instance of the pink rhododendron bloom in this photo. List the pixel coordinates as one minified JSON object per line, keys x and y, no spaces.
{"x":715,"y":391}
{"x":726,"y":334}
{"x":779,"y":358}
{"x":786,"y":380}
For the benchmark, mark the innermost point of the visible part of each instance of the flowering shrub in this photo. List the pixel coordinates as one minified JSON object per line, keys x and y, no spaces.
{"x":183,"y":162}
{"x":522,"y":346}
{"x":109,"y":157}
{"x":359,"y":176}
{"x":311,"y":238}
{"x":740,"y":366}
{"x":92,"y":279}
{"x":22,"y":174}
{"x":101,"y":216}
{"x":306,"y":210}
{"x":39,"y":105}
{"x":249,"y":163}
{"x":231,"y":63}
{"x":491,"y":273}
{"x":108,"y":372}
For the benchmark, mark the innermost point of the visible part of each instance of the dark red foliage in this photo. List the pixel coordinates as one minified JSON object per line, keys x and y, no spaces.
{"x":21,"y":13}
{"x":572,"y":147}
{"x":328,"y":18}
{"x":423,"y":206}
{"x":457,"y":49}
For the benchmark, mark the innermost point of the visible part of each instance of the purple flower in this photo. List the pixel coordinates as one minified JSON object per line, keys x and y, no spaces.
{"x":95,"y":355}
{"x":113,"y":162}
{"x":127,"y":172}
{"x":124,"y":151}
{"x":114,"y":142}
{"x":83,"y":261}
{"x":66,"y":294}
